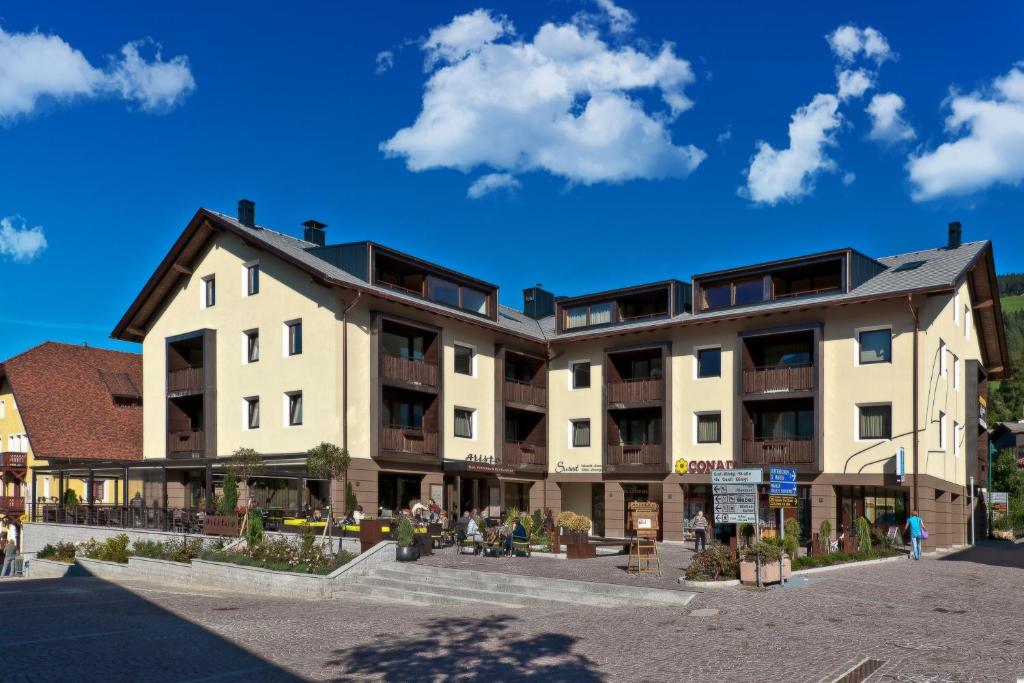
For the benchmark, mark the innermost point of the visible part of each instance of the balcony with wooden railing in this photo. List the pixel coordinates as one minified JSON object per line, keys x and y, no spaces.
{"x":408,"y":440}
{"x":524,"y":453}
{"x":524,"y":393}
{"x":778,"y":378}
{"x":646,"y":454}
{"x":408,"y":370}
{"x":12,"y":503}
{"x":778,"y":452}
{"x":639,"y":390}
{"x":186,"y":441}
{"x":185,"y":379}
{"x":14,"y":460}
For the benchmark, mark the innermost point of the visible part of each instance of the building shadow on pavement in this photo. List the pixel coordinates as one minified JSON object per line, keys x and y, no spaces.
{"x":992,"y":553}
{"x":467,"y":649}
{"x":86,"y":629}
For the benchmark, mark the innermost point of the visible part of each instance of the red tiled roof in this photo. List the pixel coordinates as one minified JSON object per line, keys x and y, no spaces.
{"x":66,"y":397}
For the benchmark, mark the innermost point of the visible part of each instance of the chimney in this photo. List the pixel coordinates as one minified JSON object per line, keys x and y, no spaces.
{"x":247,"y":212}
{"x":954,"y":234}
{"x":538,"y":303}
{"x":314,"y":232}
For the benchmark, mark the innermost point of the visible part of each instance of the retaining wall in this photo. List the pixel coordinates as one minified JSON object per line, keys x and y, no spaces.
{"x":38,"y":534}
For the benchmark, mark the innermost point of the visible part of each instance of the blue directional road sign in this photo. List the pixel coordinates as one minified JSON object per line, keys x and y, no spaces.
{"x":782,"y":480}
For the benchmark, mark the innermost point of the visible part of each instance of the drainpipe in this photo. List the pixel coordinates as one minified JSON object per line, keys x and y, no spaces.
{"x":917,"y":326}
{"x":344,"y":396}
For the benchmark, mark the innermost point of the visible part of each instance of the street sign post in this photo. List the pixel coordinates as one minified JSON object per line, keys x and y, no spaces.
{"x":782,"y":490}
{"x":738,"y":476}
{"x":734,"y":503}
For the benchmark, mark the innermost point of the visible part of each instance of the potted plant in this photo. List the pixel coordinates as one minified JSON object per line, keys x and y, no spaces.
{"x":767,"y":556}
{"x":575,"y":528}
{"x":406,"y":551}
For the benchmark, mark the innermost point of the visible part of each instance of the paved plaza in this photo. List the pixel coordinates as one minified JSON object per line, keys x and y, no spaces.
{"x":956,"y":618}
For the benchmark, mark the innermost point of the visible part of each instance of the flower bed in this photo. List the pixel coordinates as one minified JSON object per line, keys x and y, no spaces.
{"x":62,"y":552}
{"x":813,"y":561}
{"x":283,"y":555}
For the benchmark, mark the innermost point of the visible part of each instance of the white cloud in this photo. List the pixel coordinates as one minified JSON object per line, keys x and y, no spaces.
{"x":19,"y":242}
{"x":789,"y":173}
{"x":561,"y":102}
{"x":853,"y":83}
{"x":489,"y":183}
{"x":990,"y":149}
{"x":620,"y":20}
{"x":725,"y":135}
{"x":887,"y":122}
{"x":35,"y":65}
{"x":385,"y":60}
{"x":849,"y":177}
{"x":849,"y":42}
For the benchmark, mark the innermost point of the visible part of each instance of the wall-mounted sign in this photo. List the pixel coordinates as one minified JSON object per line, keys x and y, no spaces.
{"x":1000,"y":503}
{"x":737,"y":476}
{"x":582,"y":468}
{"x":734,"y":503}
{"x":684,"y":466}
{"x":901,"y":463}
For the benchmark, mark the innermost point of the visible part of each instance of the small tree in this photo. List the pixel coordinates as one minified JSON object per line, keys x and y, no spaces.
{"x":229,"y":501}
{"x":825,"y":535}
{"x":70,"y":499}
{"x":246,"y":464}
{"x":863,"y":535}
{"x":328,"y":461}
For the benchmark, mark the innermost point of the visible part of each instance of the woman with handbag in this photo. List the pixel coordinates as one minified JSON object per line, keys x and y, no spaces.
{"x":918,"y":531}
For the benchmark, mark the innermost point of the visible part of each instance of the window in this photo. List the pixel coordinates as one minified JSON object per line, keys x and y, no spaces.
{"x":403,"y":414}
{"x":875,"y":346}
{"x":717,"y":296}
{"x":600,"y":314}
{"x":709,"y":362}
{"x":474,"y":300}
{"x":252,"y":279}
{"x":209,"y":291}
{"x":580,"y":433}
{"x":942,"y":431}
{"x":956,"y":373}
{"x":943,"y":365}
{"x":252,"y":412}
{"x":464,"y":357}
{"x":580,"y":374}
{"x":709,"y":428}
{"x":443,"y":292}
{"x":749,"y":291}
{"x":956,"y":438}
{"x":464,"y":419}
{"x":875,"y":422}
{"x":956,"y":307}
{"x":293,"y":331}
{"x":252,"y":346}
{"x":293,"y":402}
{"x":585,"y":316}
{"x":3,"y":408}
{"x":967,"y":324}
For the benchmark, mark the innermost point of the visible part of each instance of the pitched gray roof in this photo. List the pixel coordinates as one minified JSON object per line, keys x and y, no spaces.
{"x":940,"y":268}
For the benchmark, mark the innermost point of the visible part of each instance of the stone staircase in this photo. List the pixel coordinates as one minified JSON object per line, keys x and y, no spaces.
{"x":426,"y":585}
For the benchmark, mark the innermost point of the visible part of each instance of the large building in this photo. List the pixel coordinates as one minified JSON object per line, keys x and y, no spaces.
{"x":830,"y":363}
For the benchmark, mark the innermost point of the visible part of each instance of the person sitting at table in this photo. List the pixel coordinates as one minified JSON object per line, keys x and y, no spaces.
{"x":518,"y":535}
{"x":357,"y":515}
{"x":420,"y":509}
{"x":443,"y":520}
{"x":473,"y":533}
{"x":317,"y":516}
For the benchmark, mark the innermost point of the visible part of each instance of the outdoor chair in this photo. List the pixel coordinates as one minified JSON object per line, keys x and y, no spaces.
{"x":833,"y":546}
{"x":462,"y":543}
{"x":494,"y":545}
{"x":520,"y":545}
{"x":436,"y":534}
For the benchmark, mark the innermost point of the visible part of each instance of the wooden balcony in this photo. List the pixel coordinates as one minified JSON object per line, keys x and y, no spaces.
{"x":523,"y":453}
{"x":778,"y":452}
{"x":775,"y":379}
{"x":12,"y":503}
{"x":649,"y":454}
{"x":642,"y":390}
{"x":407,"y":440}
{"x":189,"y":441}
{"x":186,"y":379}
{"x":14,"y":460}
{"x":408,"y":370}
{"x":525,"y":394}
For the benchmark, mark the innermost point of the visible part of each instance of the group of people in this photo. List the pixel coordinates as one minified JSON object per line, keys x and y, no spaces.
{"x":501,"y":535}
{"x":9,"y":541}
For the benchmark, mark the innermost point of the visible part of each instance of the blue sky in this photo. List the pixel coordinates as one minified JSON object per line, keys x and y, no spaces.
{"x":110,"y":149}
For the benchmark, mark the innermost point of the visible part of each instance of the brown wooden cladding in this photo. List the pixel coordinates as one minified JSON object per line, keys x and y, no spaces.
{"x":408,"y":370}
{"x":636,"y":390}
{"x":526,"y":394}
{"x":776,"y":379}
{"x":12,"y":503}
{"x":402,"y":440}
{"x":636,"y":454}
{"x":185,"y":379}
{"x":15,"y":460}
{"x":778,"y":452}
{"x":523,"y":453}
{"x":185,"y":442}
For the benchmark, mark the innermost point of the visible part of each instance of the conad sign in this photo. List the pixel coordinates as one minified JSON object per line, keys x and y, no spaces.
{"x":684,"y":466}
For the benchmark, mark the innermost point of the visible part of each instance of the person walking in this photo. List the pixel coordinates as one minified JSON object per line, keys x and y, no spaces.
{"x":700,"y":527}
{"x":10,"y":556}
{"x":918,"y":531}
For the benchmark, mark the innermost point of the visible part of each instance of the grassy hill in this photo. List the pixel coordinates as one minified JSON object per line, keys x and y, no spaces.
{"x":1007,"y":398}
{"x":1012,"y":304}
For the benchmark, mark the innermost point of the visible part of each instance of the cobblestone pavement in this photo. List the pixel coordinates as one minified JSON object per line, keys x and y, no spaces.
{"x":675,"y":558}
{"x":952,"y":619}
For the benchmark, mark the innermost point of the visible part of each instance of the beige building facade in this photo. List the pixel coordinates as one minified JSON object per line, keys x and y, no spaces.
{"x":830,"y":364}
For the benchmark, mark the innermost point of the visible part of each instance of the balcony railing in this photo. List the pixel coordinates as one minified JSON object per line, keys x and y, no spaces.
{"x":185,"y":441}
{"x":527,"y":394}
{"x":13,"y":459}
{"x":186,"y":379}
{"x":12,"y":503}
{"x":636,"y":454}
{"x":522,"y":453}
{"x":408,"y":370}
{"x":636,"y":390}
{"x":778,"y":452}
{"x":768,"y":380}
{"x":407,"y":440}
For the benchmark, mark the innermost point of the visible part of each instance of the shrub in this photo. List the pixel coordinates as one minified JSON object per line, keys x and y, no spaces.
{"x":114,"y":549}
{"x":405,"y":532}
{"x":70,"y":499}
{"x":229,"y":501}
{"x":62,"y":552}
{"x":565,"y":519}
{"x":791,"y":541}
{"x":863,"y":535}
{"x":280,"y":554}
{"x":254,"y":530}
{"x":175,"y":550}
{"x":747,"y":531}
{"x":580,"y":524}
{"x":714,"y":563}
{"x":768,"y":552}
{"x":825,"y":534}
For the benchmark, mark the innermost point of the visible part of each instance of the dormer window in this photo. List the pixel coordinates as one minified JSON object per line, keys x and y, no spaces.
{"x":413,"y":278}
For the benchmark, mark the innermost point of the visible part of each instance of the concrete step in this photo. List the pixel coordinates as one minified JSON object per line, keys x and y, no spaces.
{"x":417,"y":595}
{"x":527,"y":594}
{"x":563,"y":590}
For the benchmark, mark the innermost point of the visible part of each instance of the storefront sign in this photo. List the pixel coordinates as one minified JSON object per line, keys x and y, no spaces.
{"x":782,"y":501}
{"x":220,"y":525}
{"x":735,"y":503}
{"x":734,"y":476}
{"x":584,"y":468}
{"x":684,"y":466}
{"x":1000,"y":503}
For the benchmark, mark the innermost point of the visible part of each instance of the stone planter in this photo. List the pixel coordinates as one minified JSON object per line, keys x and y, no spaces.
{"x":769,"y":571}
{"x":407,"y":553}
